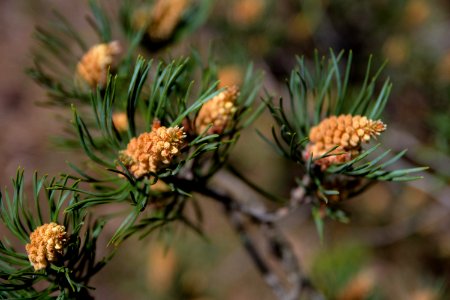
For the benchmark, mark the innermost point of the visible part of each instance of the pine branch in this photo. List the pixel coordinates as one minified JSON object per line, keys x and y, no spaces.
{"x":68,"y":275}
{"x":241,"y":217}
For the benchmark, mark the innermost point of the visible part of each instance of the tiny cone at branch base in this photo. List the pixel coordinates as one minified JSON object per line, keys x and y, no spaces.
{"x":217,"y":112}
{"x":152,"y":151}
{"x":46,"y":244}
{"x":346,"y":132}
{"x":161,"y":19}
{"x":93,"y":66}
{"x":245,"y":13}
{"x":120,"y":121}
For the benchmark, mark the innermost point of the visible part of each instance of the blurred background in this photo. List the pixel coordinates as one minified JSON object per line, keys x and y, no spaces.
{"x":397,"y":245}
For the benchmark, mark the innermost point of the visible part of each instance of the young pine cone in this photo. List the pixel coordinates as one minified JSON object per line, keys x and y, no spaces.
{"x":245,"y":13}
{"x":153,"y":150}
{"x":120,"y":121}
{"x":161,"y":19}
{"x":218,"y":111}
{"x":345,"y":131}
{"x":93,"y":66}
{"x":46,"y":244}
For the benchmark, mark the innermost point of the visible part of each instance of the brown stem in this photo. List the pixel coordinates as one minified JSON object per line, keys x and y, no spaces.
{"x":280,"y":255}
{"x":293,"y":283}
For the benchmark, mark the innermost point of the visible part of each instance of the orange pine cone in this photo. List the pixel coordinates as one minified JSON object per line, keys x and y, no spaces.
{"x":93,"y":66}
{"x":46,"y":244}
{"x":153,"y":150}
{"x":218,"y":112}
{"x":347,"y":132}
{"x":161,"y":19}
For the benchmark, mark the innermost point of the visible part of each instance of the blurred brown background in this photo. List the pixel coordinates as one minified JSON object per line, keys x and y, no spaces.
{"x":27,"y":128}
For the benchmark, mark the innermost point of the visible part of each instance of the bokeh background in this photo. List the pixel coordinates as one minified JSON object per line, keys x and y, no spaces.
{"x":397,"y":245}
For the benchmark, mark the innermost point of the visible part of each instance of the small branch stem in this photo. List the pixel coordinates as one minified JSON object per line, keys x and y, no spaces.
{"x":242,"y":217}
{"x":255,"y":187}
